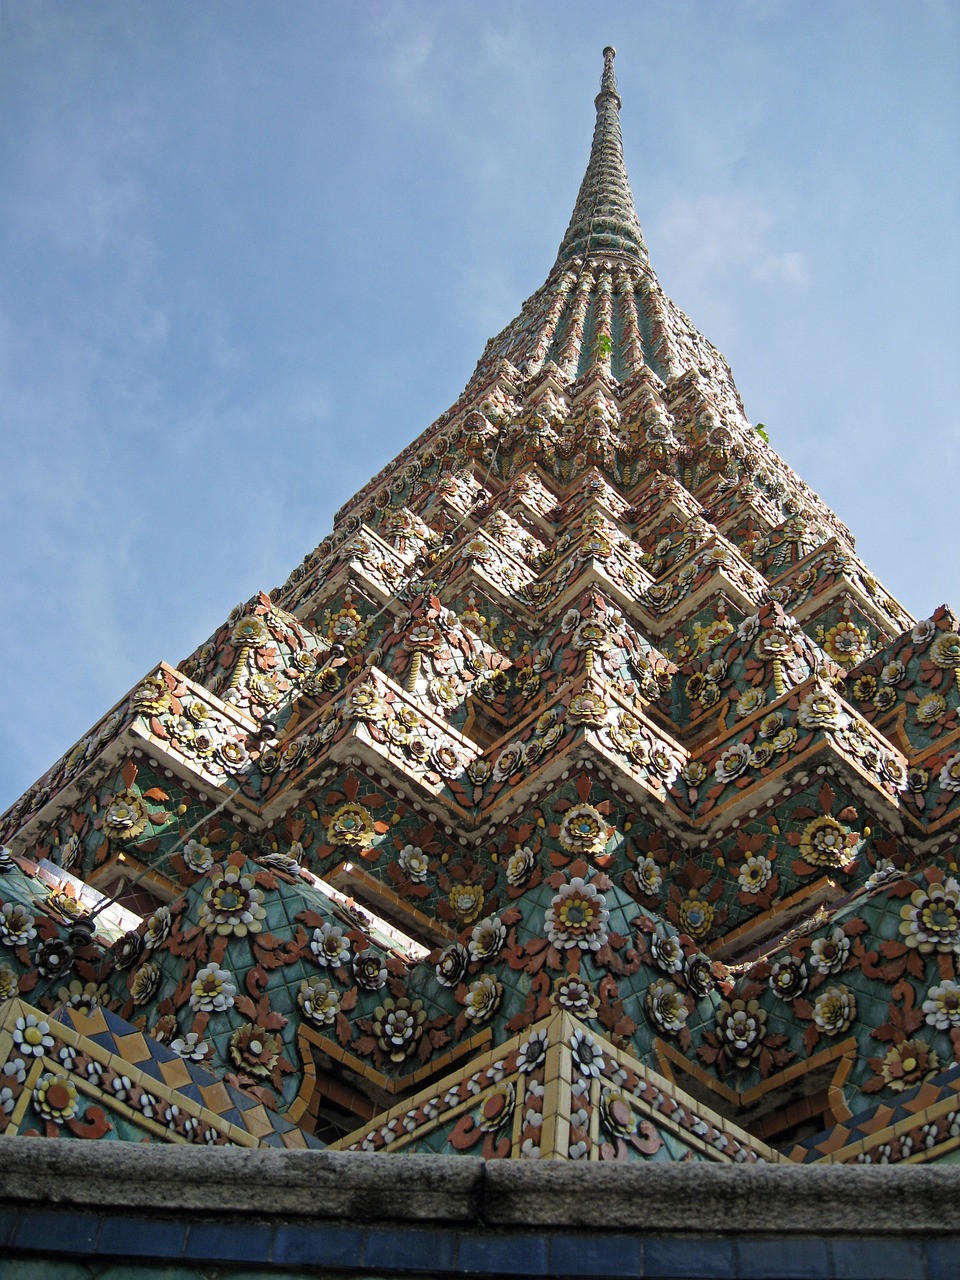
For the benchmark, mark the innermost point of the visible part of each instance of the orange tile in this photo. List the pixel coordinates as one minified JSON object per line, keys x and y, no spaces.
{"x":879,"y":1120}
{"x":257,"y":1121}
{"x":797,"y":1154}
{"x":92,"y":1024}
{"x":133,"y":1048}
{"x":837,"y":1137}
{"x":215,"y":1097}
{"x":175,"y":1073}
{"x":927,"y":1095}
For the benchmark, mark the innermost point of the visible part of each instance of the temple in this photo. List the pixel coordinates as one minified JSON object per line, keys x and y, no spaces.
{"x":581,"y":797}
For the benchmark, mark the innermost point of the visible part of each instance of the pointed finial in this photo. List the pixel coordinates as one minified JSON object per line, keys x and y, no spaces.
{"x":604,"y":218}
{"x":608,"y":81}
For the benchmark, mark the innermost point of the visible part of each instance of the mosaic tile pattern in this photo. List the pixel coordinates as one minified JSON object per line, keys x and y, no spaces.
{"x":585,"y":720}
{"x":92,"y":1075}
{"x":560,"y":1092}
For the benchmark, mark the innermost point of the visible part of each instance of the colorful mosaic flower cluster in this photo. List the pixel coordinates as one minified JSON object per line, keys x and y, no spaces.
{"x":584,"y":769}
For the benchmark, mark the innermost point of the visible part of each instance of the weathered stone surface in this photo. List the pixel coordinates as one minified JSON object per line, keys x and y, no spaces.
{"x":265,"y":1182}
{"x":319,"y":1186}
{"x":716,"y":1198}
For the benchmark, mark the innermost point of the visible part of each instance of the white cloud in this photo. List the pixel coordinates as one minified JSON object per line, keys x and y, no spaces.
{"x":307,"y":403}
{"x":948,"y":437}
{"x":408,"y":41}
{"x":728,"y":233}
{"x":783,"y":268}
{"x":411,"y":55}
{"x":82,"y":185}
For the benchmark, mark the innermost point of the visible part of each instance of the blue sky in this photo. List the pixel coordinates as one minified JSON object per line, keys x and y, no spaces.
{"x":250,"y":248}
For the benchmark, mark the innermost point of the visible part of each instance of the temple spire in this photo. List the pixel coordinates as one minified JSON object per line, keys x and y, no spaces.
{"x":604,"y":218}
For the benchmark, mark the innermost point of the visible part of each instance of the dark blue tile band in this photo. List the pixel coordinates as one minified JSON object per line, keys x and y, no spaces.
{"x":142,"y":1238}
{"x":881,"y":1259}
{"x":56,"y":1232}
{"x":503,"y":1255}
{"x":690,"y":1258}
{"x":614,"y":1255}
{"x":402,"y":1251}
{"x":331,"y":1246}
{"x":786,"y":1258}
{"x":228,"y":1242}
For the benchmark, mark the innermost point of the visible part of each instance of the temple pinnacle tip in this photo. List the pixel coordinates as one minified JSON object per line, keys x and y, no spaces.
{"x":608,"y":81}
{"x":604,"y":218}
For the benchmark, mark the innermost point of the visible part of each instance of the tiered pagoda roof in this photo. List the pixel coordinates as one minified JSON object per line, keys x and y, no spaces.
{"x":582,"y":796}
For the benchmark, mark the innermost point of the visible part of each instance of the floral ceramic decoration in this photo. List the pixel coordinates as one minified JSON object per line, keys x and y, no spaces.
{"x":583,"y":769}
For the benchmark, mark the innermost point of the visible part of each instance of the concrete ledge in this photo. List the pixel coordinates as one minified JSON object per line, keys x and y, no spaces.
{"x":228,"y":1181}
{"x":317,"y":1187}
{"x":713,"y":1198}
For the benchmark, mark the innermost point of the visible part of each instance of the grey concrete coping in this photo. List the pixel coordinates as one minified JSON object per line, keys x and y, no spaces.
{"x":336,"y":1187}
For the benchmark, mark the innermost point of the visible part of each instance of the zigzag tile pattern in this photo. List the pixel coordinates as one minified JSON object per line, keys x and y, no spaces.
{"x":586,"y":715}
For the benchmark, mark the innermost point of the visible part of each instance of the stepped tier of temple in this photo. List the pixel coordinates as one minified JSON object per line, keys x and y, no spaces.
{"x":582,"y":796}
